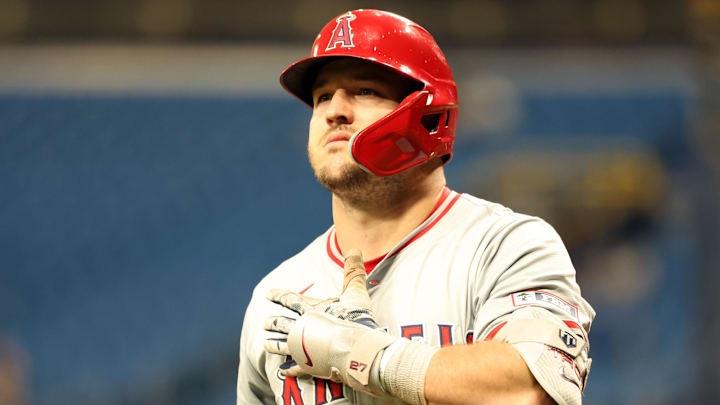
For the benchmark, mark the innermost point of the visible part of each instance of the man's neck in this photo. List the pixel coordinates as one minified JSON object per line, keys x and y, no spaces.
{"x":375,"y":229}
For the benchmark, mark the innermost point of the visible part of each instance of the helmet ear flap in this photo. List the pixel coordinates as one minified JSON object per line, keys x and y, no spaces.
{"x":409,"y":135}
{"x":398,"y":140}
{"x":438,"y":124}
{"x":431,"y":122}
{"x":434,"y":121}
{"x":407,"y":49}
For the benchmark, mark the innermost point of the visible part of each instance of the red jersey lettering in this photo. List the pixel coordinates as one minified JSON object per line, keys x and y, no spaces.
{"x":323,"y":387}
{"x":291,"y":392}
{"x":411,"y":331}
{"x":445,"y":335}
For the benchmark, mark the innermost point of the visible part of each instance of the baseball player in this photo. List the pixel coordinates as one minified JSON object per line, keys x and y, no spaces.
{"x":462,"y":301}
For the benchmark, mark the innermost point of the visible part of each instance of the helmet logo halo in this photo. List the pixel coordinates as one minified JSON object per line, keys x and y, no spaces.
{"x":342,"y":34}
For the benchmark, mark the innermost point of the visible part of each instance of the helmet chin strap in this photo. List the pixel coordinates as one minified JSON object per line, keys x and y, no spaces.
{"x":397,"y":141}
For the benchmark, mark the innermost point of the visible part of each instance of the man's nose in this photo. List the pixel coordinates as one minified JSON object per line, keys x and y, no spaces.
{"x":340,"y":110}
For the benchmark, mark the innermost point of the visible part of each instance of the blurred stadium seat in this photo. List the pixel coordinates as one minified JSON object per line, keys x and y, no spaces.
{"x":151,"y":172}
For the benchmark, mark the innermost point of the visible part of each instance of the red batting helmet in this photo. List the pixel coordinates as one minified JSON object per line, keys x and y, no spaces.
{"x":423,"y":125}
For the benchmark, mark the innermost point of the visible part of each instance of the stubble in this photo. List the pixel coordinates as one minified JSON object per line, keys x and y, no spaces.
{"x":359,"y":188}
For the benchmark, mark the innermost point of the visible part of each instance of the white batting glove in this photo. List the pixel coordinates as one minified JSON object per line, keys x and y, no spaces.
{"x":338,"y":339}
{"x":324,"y":340}
{"x":331,"y":348}
{"x":353,"y":303}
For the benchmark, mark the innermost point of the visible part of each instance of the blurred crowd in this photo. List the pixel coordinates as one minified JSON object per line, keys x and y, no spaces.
{"x":144,"y":170}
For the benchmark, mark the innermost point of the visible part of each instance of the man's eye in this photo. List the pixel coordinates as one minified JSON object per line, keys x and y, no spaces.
{"x":322,"y":98}
{"x":367,"y":92}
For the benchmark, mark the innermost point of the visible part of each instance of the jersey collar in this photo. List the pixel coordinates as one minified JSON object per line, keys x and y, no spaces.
{"x":446,"y":201}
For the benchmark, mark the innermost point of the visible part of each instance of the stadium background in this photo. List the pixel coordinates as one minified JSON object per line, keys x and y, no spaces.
{"x":152,"y":171}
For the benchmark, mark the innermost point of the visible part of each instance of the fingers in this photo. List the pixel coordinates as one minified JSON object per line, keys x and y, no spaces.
{"x":280,"y":324}
{"x":314,"y":302}
{"x":354,"y":288}
{"x":293,"y":371}
{"x":277,"y":346}
{"x":354,"y":269}
{"x":289,"y":300}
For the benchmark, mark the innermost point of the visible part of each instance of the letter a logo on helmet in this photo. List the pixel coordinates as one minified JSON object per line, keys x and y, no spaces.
{"x":422,"y":126}
{"x":342,"y":34}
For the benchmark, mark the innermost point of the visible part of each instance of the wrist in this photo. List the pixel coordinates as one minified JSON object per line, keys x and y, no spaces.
{"x":403,"y":366}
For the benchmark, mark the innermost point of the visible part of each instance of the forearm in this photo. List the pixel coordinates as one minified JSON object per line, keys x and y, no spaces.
{"x":481,"y":373}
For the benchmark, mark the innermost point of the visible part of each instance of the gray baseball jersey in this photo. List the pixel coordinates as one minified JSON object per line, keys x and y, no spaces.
{"x":455,"y":279}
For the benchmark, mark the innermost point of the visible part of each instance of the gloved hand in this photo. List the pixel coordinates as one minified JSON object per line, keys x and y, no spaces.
{"x":338,"y":339}
{"x":352,"y":305}
{"x":335,"y":338}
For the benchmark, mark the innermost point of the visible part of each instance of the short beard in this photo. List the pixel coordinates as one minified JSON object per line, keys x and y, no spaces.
{"x":362,"y":189}
{"x":351,"y":180}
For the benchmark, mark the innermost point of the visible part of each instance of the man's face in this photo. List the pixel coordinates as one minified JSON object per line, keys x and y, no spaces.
{"x":348,"y":95}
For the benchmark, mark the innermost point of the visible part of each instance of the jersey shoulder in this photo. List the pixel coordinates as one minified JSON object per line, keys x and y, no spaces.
{"x":491,"y":209}
{"x":491,"y":218}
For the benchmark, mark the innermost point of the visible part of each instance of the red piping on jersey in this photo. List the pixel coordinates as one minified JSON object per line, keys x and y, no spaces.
{"x":495,"y":330}
{"x":431,"y":224}
{"x":572,"y":324}
{"x":332,"y":256}
{"x":370,"y":264}
{"x":306,"y":288}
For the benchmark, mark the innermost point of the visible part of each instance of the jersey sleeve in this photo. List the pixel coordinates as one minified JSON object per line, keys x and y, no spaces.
{"x":526,"y":294}
{"x":253,"y":387}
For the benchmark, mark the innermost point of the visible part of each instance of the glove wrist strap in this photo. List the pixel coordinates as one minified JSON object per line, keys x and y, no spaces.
{"x":403,"y":368}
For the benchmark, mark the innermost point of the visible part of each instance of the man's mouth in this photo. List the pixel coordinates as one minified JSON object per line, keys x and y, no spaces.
{"x":337,"y":137}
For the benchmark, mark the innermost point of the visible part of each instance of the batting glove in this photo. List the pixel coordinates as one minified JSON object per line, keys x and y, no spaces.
{"x":338,"y":339}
